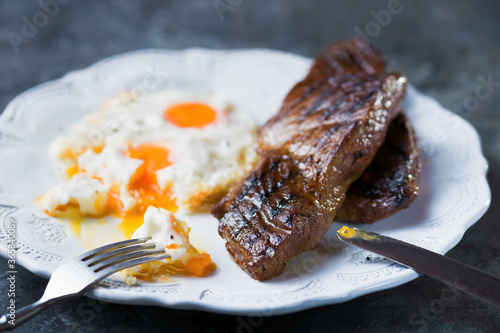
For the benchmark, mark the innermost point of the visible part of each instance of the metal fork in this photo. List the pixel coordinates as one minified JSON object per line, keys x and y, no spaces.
{"x":77,"y":275}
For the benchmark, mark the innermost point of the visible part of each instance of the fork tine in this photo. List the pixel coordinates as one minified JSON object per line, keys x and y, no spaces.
{"x":124,"y":250}
{"x":74,"y":277}
{"x":125,"y":257}
{"x":107,"y":248}
{"x":130,"y":263}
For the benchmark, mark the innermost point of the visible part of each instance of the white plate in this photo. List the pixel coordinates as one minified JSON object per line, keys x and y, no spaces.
{"x":454,"y":192}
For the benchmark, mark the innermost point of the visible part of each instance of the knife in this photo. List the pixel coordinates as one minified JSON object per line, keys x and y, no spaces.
{"x":471,"y":280}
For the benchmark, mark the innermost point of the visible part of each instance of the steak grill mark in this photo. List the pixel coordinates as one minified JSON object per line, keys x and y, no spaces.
{"x":311,"y":152}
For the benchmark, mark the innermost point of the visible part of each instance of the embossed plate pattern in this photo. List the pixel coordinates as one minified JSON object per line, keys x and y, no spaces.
{"x":454,"y":192}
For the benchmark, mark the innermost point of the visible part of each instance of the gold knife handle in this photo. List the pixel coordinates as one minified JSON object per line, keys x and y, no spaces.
{"x":469,"y":279}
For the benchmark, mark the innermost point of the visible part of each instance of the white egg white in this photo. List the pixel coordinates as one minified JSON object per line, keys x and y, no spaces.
{"x":202,"y":159}
{"x":166,"y":231}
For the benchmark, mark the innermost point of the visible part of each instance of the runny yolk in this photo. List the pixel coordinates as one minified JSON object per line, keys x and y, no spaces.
{"x":190,"y":115}
{"x":143,"y":186}
{"x":155,"y":158}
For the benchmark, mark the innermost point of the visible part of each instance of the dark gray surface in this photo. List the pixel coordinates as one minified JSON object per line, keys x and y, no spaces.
{"x":444,"y":47}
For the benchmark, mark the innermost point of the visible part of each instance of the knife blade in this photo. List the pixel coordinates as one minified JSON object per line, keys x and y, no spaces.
{"x":469,"y":279}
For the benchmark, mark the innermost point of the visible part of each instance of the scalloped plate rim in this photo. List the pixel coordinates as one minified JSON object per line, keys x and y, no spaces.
{"x":398,"y":279}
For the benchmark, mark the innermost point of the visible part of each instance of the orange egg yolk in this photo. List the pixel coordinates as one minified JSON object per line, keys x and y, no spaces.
{"x":190,"y":115}
{"x":143,"y":186}
{"x":192,"y":263}
{"x":155,"y":158}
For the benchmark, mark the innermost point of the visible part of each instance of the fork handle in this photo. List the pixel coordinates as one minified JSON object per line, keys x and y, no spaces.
{"x":22,"y":315}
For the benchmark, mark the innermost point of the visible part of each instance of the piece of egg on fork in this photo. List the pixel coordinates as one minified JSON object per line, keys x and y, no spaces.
{"x":171,"y":235}
{"x":168,"y":232}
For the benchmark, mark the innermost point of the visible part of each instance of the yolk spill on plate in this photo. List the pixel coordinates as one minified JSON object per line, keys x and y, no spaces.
{"x":76,"y":226}
{"x":144,"y":187}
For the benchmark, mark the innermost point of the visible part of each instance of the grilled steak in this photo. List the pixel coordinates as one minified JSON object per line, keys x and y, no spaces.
{"x":390,"y":183}
{"x":325,"y":135}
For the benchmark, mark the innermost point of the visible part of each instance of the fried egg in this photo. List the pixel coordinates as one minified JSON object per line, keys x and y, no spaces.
{"x":176,"y":150}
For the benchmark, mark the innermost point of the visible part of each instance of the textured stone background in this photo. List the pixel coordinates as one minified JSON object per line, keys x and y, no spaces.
{"x":444,"y":47}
